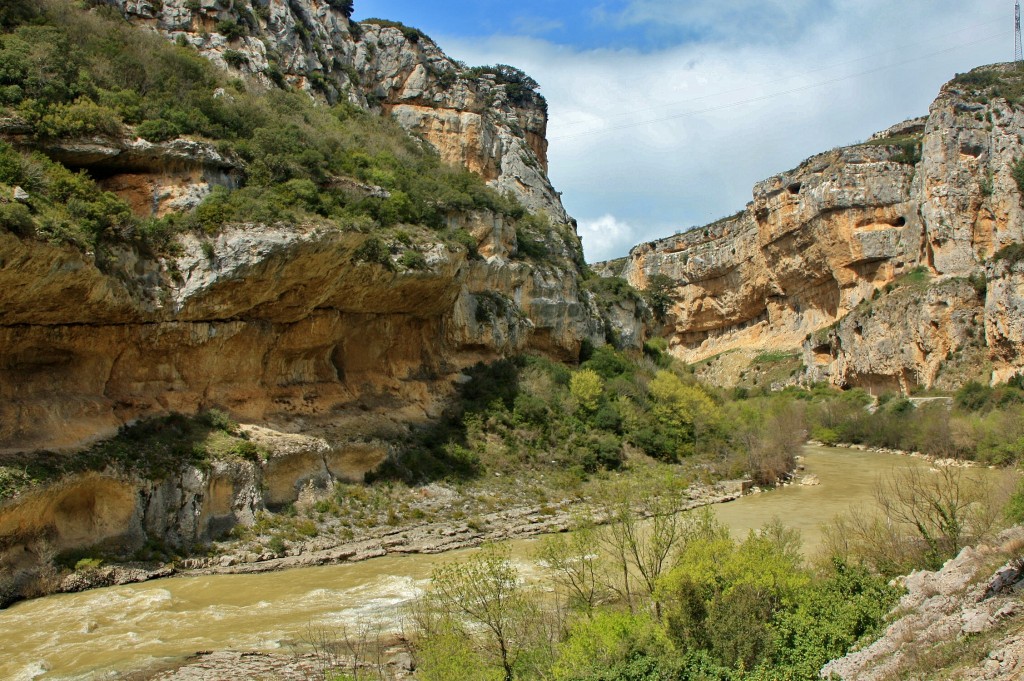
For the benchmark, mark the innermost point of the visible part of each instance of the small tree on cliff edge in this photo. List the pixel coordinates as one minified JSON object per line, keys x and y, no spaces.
{"x":343,"y":6}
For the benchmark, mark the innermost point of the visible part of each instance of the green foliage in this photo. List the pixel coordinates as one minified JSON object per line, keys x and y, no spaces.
{"x":1015,"y":508}
{"x":235,"y":59}
{"x":659,"y":294}
{"x":413,"y":35}
{"x":1017,"y":172}
{"x":908,"y":151}
{"x":906,"y":148}
{"x":231,"y":29}
{"x":988,"y":82}
{"x":72,"y":74}
{"x":344,"y":6}
{"x":153,"y":449}
{"x":609,"y":363}
{"x":373,"y":250}
{"x":485,"y":592}
{"x":532,"y":232}
{"x":519,"y":87}
{"x":610,"y":637}
{"x":586,"y":387}
{"x":722,"y":610}
{"x":774,"y":356}
{"x":537,"y":413}
{"x":413,"y":260}
{"x":829,"y":617}
{"x":1011,"y":253}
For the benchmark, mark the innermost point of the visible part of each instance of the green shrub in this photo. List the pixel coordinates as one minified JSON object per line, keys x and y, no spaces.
{"x":908,"y":151}
{"x":235,"y":59}
{"x":373,"y":250}
{"x":413,"y":260}
{"x":413,"y":35}
{"x":16,"y":218}
{"x":1017,"y":171}
{"x":75,"y":74}
{"x":1011,"y":253}
{"x":343,"y":6}
{"x":85,"y":564}
{"x":231,"y":29}
{"x":81,"y":118}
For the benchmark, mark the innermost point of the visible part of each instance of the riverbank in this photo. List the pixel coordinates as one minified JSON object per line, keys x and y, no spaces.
{"x":935,"y":461}
{"x":442,"y":536}
{"x":162,"y":624}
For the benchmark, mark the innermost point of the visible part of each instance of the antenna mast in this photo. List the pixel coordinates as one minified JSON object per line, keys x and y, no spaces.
{"x":1018,"y":49}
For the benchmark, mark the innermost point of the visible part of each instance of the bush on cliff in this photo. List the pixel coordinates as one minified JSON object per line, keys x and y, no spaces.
{"x":70,"y":74}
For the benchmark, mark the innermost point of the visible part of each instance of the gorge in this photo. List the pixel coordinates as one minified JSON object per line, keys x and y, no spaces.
{"x":267,"y":274}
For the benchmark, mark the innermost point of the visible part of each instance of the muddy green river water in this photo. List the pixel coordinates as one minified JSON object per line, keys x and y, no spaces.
{"x":81,"y":636}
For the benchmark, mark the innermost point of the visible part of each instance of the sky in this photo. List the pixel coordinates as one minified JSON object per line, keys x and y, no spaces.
{"x":664,"y":113}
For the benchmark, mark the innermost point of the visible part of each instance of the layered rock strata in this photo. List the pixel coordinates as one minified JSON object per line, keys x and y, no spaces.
{"x":817,"y":242}
{"x":282,"y":325}
{"x":471,"y":118}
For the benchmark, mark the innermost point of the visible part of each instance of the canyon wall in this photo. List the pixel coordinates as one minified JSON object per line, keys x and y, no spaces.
{"x":827,"y":258}
{"x":282,"y":325}
{"x":280,"y":322}
{"x":472,"y":118}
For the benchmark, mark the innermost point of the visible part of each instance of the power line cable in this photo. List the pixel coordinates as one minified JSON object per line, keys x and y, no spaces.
{"x":754,"y":100}
{"x":875,"y":55}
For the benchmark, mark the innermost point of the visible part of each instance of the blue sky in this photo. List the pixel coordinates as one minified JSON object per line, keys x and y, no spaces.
{"x":665,"y":112}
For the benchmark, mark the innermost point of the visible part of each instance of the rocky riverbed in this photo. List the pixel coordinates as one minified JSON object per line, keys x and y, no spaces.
{"x":516,"y":522}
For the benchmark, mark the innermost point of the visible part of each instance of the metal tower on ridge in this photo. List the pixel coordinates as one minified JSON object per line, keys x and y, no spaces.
{"x":1018,"y":49}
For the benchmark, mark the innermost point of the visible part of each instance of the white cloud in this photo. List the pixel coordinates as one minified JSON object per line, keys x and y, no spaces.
{"x":606,"y":237}
{"x":757,"y":20}
{"x":676,"y":137}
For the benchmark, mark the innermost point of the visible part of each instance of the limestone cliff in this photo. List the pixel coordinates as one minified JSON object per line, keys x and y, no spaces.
{"x":475,"y":118}
{"x":820,"y":245}
{"x":286,"y":321}
{"x":287,"y":325}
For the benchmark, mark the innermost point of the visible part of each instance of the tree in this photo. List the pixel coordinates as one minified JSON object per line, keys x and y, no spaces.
{"x":486,"y":592}
{"x":646,"y":533}
{"x":572,"y":562}
{"x":609,"y":638}
{"x":344,"y":6}
{"x":586,"y":386}
{"x":946,"y":509}
{"x":658,"y":294}
{"x":684,"y":411}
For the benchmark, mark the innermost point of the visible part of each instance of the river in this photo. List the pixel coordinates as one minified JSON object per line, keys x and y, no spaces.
{"x":80,"y":636}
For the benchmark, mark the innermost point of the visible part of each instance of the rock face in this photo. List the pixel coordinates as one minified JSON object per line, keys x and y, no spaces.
{"x":799,"y":264}
{"x":269,"y":322}
{"x":494,"y":129}
{"x":283,"y":322}
{"x":281,"y":325}
{"x":939,"y":610}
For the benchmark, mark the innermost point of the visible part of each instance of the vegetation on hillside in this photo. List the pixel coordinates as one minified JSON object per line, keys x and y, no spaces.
{"x":988,"y":82}
{"x":151,"y":449}
{"x":907,"y":148}
{"x":533,"y":414}
{"x":69,"y":74}
{"x":980,"y":423}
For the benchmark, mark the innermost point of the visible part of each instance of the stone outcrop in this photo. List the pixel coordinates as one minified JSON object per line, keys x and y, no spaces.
{"x":284,"y":321}
{"x":118,"y":514}
{"x":269,"y":322}
{"x":943,"y":608}
{"x":799,"y":264}
{"x":281,"y":325}
{"x":471,"y":119}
